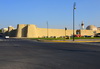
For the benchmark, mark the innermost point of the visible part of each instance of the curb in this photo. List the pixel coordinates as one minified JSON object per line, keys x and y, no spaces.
{"x":66,"y":41}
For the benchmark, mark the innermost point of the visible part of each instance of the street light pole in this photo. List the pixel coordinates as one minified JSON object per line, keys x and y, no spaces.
{"x":47,"y":30}
{"x":74,"y":20}
{"x":65,"y":31}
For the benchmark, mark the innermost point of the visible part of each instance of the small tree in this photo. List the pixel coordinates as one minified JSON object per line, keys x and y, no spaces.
{"x":0,"y":31}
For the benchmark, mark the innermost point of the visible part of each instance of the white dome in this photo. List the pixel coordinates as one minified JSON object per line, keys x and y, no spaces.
{"x":91,"y":27}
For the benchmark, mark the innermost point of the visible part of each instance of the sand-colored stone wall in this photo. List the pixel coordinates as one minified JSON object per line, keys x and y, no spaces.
{"x":86,"y":32}
{"x":53,"y":32}
{"x":10,"y":28}
{"x":70,"y":32}
{"x":21,"y":30}
{"x":13,"y":33}
{"x":4,"y":30}
{"x":98,"y":31}
{"x":31,"y":31}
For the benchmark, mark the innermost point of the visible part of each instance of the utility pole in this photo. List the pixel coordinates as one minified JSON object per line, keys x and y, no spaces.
{"x":65,"y":31}
{"x":47,"y":30}
{"x":74,"y":7}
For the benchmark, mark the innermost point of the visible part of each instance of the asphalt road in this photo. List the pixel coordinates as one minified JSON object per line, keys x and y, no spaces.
{"x":27,"y":54}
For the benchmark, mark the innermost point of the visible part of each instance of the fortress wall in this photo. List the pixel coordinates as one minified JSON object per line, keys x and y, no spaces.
{"x":41,"y":32}
{"x":70,"y":32}
{"x":10,"y":28}
{"x":21,"y":30}
{"x":87,"y":32}
{"x":57,"y":32}
{"x":4,"y":30}
{"x":98,"y":31}
{"x":53,"y":32}
{"x":31,"y":31}
{"x":13,"y":33}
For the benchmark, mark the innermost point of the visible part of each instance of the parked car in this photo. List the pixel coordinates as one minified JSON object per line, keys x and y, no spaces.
{"x":97,"y":35}
{"x":87,"y":36}
{"x":1,"y":34}
{"x":78,"y":35}
{"x":6,"y":37}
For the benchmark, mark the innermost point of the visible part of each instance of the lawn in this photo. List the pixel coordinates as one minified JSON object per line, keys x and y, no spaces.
{"x":67,"y":39}
{"x":87,"y":38}
{"x":50,"y":38}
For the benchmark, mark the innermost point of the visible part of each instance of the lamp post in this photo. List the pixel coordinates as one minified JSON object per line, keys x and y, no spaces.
{"x":74,"y":7}
{"x":47,"y":30}
{"x":65,"y":31}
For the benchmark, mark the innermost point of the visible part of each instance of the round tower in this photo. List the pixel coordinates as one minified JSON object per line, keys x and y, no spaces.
{"x":82,"y":25}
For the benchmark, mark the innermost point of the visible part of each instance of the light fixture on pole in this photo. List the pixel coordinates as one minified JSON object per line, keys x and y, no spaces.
{"x":74,"y":7}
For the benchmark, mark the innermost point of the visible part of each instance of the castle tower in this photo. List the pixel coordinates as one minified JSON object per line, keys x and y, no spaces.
{"x":21,"y":30}
{"x":10,"y":28}
{"x":31,"y":31}
{"x":82,"y":25}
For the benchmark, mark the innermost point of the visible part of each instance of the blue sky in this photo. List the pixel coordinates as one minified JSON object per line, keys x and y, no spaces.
{"x":58,"y":13}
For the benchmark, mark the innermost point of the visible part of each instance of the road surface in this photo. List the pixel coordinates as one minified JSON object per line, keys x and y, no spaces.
{"x":27,"y":54}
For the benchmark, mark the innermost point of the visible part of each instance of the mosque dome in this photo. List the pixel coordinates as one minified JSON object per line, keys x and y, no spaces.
{"x":91,"y":27}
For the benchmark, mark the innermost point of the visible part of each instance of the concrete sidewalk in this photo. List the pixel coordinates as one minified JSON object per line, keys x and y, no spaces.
{"x":70,"y":40}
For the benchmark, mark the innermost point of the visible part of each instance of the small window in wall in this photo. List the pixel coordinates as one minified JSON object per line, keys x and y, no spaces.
{"x":78,"y":32}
